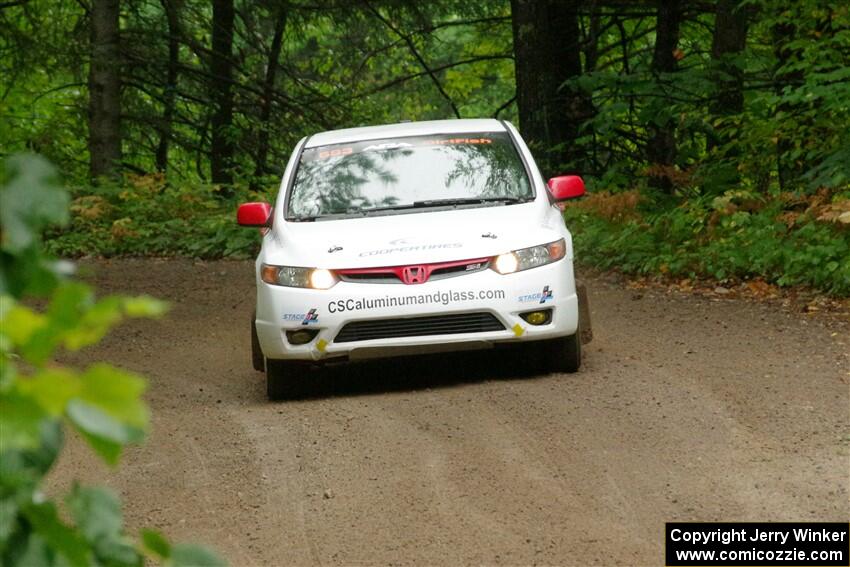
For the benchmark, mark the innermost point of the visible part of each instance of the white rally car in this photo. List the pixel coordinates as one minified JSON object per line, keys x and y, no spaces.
{"x":413,"y":238}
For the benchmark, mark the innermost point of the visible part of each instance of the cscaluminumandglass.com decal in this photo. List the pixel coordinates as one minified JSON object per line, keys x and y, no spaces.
{"x":442,"y":297}
{"x":542,"y":296}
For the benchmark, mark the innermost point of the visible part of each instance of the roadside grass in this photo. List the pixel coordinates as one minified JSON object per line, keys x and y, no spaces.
{"x":784,"y":240}
{"x":146,"y":216}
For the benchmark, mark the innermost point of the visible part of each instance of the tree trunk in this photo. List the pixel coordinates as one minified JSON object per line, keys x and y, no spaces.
{"x":171,"y":13}
{"x":221,"y":68}
{"x":730,"y":38}
{"x":591,"y":56}
{"x":591,"y":49}
{"x":661,"y":149}
{"x":784,"y":33}
{"x":547,"y":53}
{"x":268,"y":92}
{"x":104,"y":89}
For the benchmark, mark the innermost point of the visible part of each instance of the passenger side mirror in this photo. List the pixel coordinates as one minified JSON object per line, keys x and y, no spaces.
{"x":566,"y":187}
{"x":253,"y":214}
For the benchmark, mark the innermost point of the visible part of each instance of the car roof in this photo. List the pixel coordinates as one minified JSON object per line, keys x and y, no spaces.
{"x":461,"y":126}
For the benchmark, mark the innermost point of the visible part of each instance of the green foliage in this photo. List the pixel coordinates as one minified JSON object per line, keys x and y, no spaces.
{"x":792,"y":132}
{"x":339,"y":66}
{"x":39,"y":398}
{"x":30,"y":201}
{"x":146,"y":216}
{"x":716,"y":238}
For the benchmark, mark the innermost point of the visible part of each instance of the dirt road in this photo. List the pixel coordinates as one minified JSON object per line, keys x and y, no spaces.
{"x":686,"y":409}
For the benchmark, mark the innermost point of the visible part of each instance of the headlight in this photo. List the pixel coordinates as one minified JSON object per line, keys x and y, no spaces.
{"x":527,"y":258}
{"x":316,"y":278}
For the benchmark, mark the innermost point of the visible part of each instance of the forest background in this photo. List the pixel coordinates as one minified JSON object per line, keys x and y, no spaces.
{"x":714,"y":135}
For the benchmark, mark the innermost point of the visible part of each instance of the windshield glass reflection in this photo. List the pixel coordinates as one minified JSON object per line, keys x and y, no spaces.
{"x":399,"y":173}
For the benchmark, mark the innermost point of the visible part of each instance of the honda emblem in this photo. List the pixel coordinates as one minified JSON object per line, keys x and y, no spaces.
{"x":413,"y":275}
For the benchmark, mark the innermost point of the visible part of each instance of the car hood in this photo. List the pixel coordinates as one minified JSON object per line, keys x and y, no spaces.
{"x":416,"y":238}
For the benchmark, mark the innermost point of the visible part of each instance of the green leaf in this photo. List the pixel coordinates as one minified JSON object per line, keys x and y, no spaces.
{"x":21,"y":470}
{"x":97,"y":513}
{"x":30,"y":198}
{"x":94,"y":325}
{"x":8,"y":370}
{"x":69,"y":302}
{"x":6,"y":304}
{"x":72,"y":318}
{"x":27,"y":273}
{"x":20,"y":323}
{"x":118,"y":553}
{"x":51,"y":389}
{"x":117,"y":392}
{"x":20,"y":422}
{"x":8,"y":519}
{"x":189,"y":555}
{"x":144,"y":306}
{"x":59,"y":537}
{"x":33,"y":551}
{"x":109,"y":411}
{"x":154,"y":542}
{"x":105,"y":434}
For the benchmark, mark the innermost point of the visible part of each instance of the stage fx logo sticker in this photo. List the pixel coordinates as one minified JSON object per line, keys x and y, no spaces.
{"x":312,"y":316}
{"x":542,"y":297}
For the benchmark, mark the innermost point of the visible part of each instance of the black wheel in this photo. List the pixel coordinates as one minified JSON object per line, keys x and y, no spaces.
{"x":257,"y":359}
{"x":564,"y":353}
{"x":286,"y":379}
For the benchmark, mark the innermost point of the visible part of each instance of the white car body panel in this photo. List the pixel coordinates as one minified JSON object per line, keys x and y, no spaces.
{"x":421,"y":236}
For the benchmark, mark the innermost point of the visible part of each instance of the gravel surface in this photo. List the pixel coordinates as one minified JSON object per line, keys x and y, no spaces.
{"x":686,"y":409}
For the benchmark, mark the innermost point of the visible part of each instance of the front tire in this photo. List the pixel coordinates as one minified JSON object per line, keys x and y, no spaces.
{"x":286,"y":379}
{"x":564,"y":353}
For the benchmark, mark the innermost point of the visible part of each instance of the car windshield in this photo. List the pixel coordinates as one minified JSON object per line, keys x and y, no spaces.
{"x":398,"y":174}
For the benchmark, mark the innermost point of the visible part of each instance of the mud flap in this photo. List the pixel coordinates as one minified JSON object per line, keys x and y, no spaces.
{"x":257,"y":359}
{"x":585,"y":328}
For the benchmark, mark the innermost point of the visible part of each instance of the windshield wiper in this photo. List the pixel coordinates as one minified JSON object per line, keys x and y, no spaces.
{"x":377,"y":209}
{"x":349,"y":213}
{"x":439,"y":203}
{"x":467,"y":201}
{"x":415,"y":205}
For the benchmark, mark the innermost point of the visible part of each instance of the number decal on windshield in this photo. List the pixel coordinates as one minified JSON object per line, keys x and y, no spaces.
{"x":336,"y":152}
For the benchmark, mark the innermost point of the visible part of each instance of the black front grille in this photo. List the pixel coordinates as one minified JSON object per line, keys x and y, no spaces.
{"x":419,"y":327}
{"x":387,"y":277}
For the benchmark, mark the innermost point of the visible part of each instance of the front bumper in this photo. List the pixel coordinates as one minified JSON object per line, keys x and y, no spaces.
{"x":282,"y":309}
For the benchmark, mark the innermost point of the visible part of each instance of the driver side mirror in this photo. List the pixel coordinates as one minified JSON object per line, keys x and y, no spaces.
{"x":253,"y":214}
{"x":566,"y":187}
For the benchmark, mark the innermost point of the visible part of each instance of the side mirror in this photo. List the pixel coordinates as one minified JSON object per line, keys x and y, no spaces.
{"x":566,"y":187}
{"x":253,"y":214}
